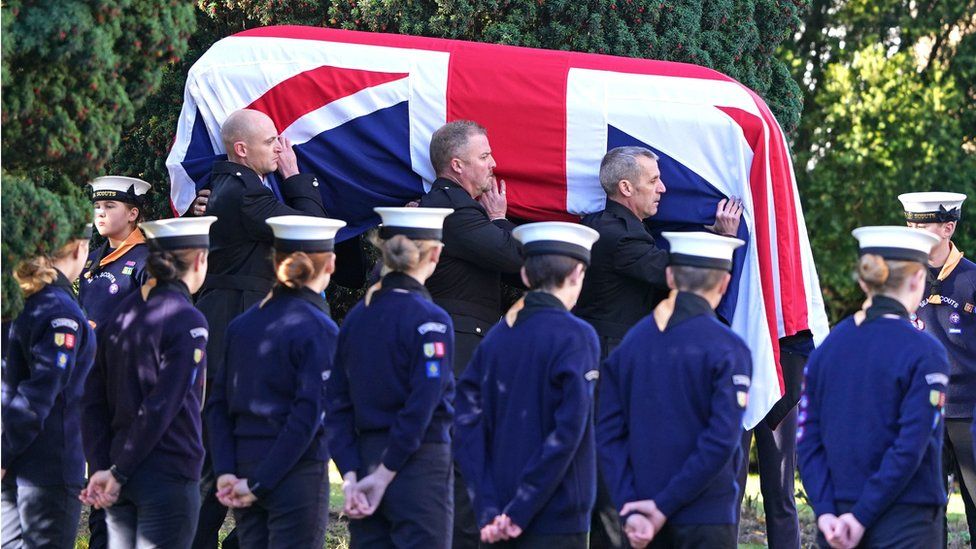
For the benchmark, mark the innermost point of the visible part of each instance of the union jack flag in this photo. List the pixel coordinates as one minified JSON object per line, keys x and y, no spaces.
{"x":361,"y":107}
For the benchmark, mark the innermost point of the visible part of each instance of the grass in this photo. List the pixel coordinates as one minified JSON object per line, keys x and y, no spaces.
{"x":752,"y":530}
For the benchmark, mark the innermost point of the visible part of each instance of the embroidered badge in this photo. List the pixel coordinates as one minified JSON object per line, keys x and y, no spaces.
{"x":429,"y":350}
{"x":937,"y":379}
{"x":936,"y":398}
{"x":113,"y":289}
{"x":130,"y":263}
{"x":127,"y":270}
{"x":969,"y":307}
{"x":326,"y":375}
{"x":592,"y":375}
{"x":197,"y":355}
{"x":62,"y":360}
{"x":955,"y":331}
{"x":59,"y":340}
{"x":742,"y":398}
{"x":433,"y":368}
{"x":64,"y":322}
{"x":432,"y":327}
{"x":954,"y":317}
{"x":199,"y":332}
{"x":739,"y":379}
{"x":69,"y":341}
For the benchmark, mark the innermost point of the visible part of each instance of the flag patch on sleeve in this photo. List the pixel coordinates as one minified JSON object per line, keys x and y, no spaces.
{"x":434,"y":350}
{"x":936,"y":398}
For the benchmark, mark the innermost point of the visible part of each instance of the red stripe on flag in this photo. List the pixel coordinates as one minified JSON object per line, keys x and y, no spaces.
{"x":752,"y":129}
{"x":529,"y":140}
{"x":312,"y":89}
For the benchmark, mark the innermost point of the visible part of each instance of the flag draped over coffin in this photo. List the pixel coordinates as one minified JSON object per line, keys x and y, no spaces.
{"x":360,"y":109}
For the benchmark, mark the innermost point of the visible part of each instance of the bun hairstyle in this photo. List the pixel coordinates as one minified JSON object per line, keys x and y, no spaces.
{"x":296,"y":269}
{"x":881,"y":275}
{"x":169,"y":265}
{"x":35,"y":273}
{"x":402,"y":254}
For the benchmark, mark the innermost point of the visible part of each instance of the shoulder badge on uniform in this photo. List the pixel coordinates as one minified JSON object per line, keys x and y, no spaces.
{"x":434,"y":350}
{"x":969,"y":307}
{"x":741,"y":379}
{"x":199,"y":332}
{"x":433,"y":368}
{"x":742,"y":398}
{"x":937,"y":398}
{"x":197,"y":355}
{"x":432,"y":327}
{"x":937,"y":379}
{"x":64,"y":323}
{"x":126,"y":270}
{"x":592,"y":375}
{"x":62,"y":360}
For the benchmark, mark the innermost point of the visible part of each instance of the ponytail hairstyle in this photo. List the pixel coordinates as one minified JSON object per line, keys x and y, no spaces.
{"x":882,"y":276}
{"x":401,"y":254}
{"x":35,"y":273}
{"x":296,"y":269}
{"x":169,"y":265}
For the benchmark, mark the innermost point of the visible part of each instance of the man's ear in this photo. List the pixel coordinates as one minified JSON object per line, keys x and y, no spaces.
{"x":576,"y":277}
{"x":435,"y":253}
{"x":669,"y":276}
{"x":948,"y":229}
{"x":456,"y":165}
{"x":240,"y":149}
{"x":625,"y":188}
{"x":525,"y":277}
{"x":330,"y":264}
{"x":724,"y":285}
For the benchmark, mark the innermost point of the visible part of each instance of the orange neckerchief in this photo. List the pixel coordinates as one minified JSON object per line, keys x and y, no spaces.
{"x":135,"y":238}
{"x":955,"y":256}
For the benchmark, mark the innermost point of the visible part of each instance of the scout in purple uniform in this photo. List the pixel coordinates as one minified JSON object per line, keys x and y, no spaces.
{"x":142,"y":399}
{"x":948,"y":312}
{"x":48,"y":356}
{"x":265,"y":408}
{"x":671,"y":403}
{"x":524,"y":428}
{"x":389,"y":403}
{"x":118,"y":267}
{"x":870,"y":434}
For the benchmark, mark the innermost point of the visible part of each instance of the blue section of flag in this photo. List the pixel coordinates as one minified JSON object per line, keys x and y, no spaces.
{"x":200,"y":157}
{"x":688,"y":205}
{"x":362,"y":164}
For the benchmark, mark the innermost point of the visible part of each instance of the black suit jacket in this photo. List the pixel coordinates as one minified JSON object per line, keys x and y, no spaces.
{"x":626,"y":279}
{"x":477,"y":251}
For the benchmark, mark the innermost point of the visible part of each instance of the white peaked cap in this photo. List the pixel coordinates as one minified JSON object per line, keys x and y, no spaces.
{"x":179,"y":233}
{"x":304,"y":233}
{"x":414,"y":223}
{"x":557,"y":238}
{"x":118,"y":187}
{"x":932,"y":207}
{"x":701,"y":249}
{"x":896,"y":242}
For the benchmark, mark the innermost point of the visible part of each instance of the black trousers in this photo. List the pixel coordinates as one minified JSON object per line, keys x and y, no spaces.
{"x":900,"y":527}
{"x":294,"y":514}
{"x":776,"y":449}
{"x":212,"y":512}
{"x":97,"y":529}
{"x":465,"y":529}
{"x":605,"y":529}
{"x":154,"y":510}
{"x":418,"y":507}
{"x":957,"y":458}
{"x":695,"y":536}
{"x":39,"y":516}
{"x":541,"y":541}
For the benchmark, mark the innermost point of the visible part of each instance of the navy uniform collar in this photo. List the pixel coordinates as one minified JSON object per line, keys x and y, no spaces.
{"x":536,"y":301}
{"x":62,"y":282}
{"x":449,"y":185}
{"x":402,"y":281}
{"x":240,"y":170}
{"x":303,"y":293}
{"x":177,"y":286}
{"x":883,"y":305}
{"x":688,"y":305}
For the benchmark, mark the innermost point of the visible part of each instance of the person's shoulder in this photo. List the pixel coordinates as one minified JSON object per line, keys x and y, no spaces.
{"x":430,"y":317}
{"x":226,"y":171}
{"x":444,"y":194}
{"x":56,"y":308}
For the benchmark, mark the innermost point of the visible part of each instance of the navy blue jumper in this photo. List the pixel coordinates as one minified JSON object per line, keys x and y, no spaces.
{"x":670,"y":415}
{"x":870,"y":417}
{"x":524,"y":429}
{"x":49,"y":354}
{"x":393,"y":375}
{"x":142,"y":399}
{"x":102,"y":288}
{"x":267,"y":402}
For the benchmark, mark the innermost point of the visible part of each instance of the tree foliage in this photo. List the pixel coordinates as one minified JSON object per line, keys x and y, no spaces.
{"x":890,"y":107}
{"x":73,"y":75}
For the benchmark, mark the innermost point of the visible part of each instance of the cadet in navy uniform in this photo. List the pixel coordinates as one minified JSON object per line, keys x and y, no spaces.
{"x":524,"y":427}
{"x":244,"y":195}
{"x":266,"y":405}
{"x":947,"y":312}
{"x":48,"y":356}
{"x":142,"y":428}
{"x":670,"y":411}
{"x":626,"y":279}
{"x":870,"y":434}
{"x":389,"y":402}
{"x":118,"y":267}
